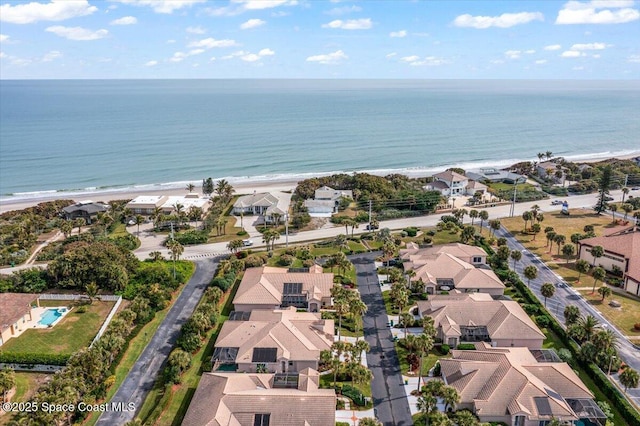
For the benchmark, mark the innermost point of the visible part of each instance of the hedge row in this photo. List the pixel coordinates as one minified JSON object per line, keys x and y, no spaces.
{"x":34,"y":358}
{"x":600,"y":379}
{"x":355,"y":395}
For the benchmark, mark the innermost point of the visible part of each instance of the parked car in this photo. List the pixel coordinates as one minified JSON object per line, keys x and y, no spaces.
{"x":371,"y":227}
{"x":636,"y":188}
{"x":556,"y":202}
{"x":247,"y":243}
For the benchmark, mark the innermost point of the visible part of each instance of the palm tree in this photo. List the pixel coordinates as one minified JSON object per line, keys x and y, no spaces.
{"x":582,"y":266}
{"x":92,"y":291}
{"x":427,"y":404}
{"x":625,"y":191}
{"x":473,"y":214}
{"x":605,"y":340}
{"x":589,"y":326}
{"x":530,"y":273}
{"x":598,"y":275}
{"x":195,"y":214}
{"x":341,"y":242}
{"x":526,"y":216}
{"x":450,"y":397}
{"x":547,"y":290}
{"x":341,"y":304}
{"x":596,"y":252}
{"x":571,"y":314}
{"x":66,"y":227}
{"x":604,"y":291}
{"x":495,"y":226}
{"x":550,"y":237}
{"x":614,"y":209}
{"x":484,"y":215}
{"x":516,"y":255}
{"x":406,"y":319}
{"x":535,"y":229}
{"x":629,"y":378}
{"x":424,"y":343}
{"x":358,"y":309}
{"x":369,"y":421}
{"x":79,"y":223}
{"x":568,"y":251}
{"x":176,"y":250}
{"x":628,"y":208}
{"x":234,"y":245}
{"x":139,"y":220}
{"x":190,"y":187}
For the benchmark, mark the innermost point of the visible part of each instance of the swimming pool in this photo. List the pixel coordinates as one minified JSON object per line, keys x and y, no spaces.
{"x":50,"y":316}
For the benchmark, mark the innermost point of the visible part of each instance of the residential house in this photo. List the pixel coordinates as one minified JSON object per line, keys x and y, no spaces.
{"x":231,"y":399}
{"x":147,"y":205}
{"x":272,"y":341}
{"x":509,"y":385}
{"x":15,"y":312}
{"x":326,"y":201}
{"x":490,"y":174}
{"x":621,"y":251}
{"x":451,"y":267}
{"x":477,"y":317}
{"x":270,"y":207}
{"x":548,"y":170}
{"x":451,"y":184}
{"x":87,"y":210}
{"x":267,"y":287}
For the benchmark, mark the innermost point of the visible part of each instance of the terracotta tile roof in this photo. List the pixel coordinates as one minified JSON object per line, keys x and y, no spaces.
{"x":235,"y":399}
{"x":14,"y":306}
{"x":265,"y":285}
{"x":509,"y":381}
{"x":455,"y":249}
{"x":625,"y":242}
{"x":298,"y":336}
{"x":503,"y":319}
{"x":450,"y":176}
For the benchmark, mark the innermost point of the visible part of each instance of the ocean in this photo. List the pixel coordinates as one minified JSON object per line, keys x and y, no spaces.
{"x":82,"y":136}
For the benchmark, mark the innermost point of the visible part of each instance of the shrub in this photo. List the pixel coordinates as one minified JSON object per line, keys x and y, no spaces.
{"x":543,"y":320}
{"x":192,"y":237}
{"x":286,"y":260}
{"x":411,"y":231}
{"x":354,"y":394}
{"x":255,"y":261}
{"x":34,"y":358}
{"x":437,"y":370}
{"x":431,"y":233}
{"x":189,"y":342}
{"x":531,"y":309}
{"x":242,"y":233}
{"x":444,"y":349}
{"x":466,"y":347}
{"x":636,"y":326}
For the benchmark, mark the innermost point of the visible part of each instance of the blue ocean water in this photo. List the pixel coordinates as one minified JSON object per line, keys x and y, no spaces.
{"x":74,"y":135}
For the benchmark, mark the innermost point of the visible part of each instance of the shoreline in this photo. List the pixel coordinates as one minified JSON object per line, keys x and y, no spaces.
{"x":241,"y":185}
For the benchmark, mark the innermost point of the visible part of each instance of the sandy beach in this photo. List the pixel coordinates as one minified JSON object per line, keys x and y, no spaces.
{"x":244,"y":187}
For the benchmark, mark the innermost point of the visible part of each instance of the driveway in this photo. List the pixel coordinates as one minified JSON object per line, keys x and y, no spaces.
{"x":387,"y":387}
{"x":566,"y":295}
{"x":142,"y":376}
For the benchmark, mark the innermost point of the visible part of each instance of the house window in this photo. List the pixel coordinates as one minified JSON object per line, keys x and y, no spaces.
{"x":519,"y":421}
{"x":477,"y":259}
{"x":261,"y":419}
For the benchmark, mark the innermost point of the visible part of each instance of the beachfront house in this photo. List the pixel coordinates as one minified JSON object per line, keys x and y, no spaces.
{"x":272,"y":341}
{"x":451,"y":268}
{"x":510,"y":385}
{"x":451,"y":184}
{"x":326,"y":201}
{"x":16,"y":312}
{"x":268,"y":206}
{"x":477,"y":317}
{"x":271,"y":288}
{"x":621,"y":253}
{"x":87,"y":210}
{"x":491,"y":174}
{"x":148,"y":205}
{"x":261,"y":400}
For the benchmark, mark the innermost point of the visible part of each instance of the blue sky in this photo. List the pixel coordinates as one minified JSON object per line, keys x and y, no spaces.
{"x":597,"y":39}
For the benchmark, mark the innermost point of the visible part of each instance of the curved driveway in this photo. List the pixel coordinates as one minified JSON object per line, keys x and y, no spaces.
{"x":142,"y":376}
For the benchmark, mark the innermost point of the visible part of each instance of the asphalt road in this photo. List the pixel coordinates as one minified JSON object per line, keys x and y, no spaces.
{"x":565,"y":295}
{"x":389,"y":398}
{"x":142,"y":376}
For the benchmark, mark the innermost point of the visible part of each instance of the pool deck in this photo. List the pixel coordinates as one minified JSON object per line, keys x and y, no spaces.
{"x":36,"y":315}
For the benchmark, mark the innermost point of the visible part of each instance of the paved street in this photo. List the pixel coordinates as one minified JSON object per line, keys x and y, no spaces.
{"x":387,"y":387}
{"x":566,"y":295}
{"x":143,"y":375}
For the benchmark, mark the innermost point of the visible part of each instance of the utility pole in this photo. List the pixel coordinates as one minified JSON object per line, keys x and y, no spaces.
{"x":626,"y":180}
{"x":369,"y":213}
{"x":286,"y":230}
{"x":513,"y":202}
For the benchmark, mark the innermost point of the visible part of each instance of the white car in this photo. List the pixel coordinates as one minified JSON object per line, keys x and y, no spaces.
{"x":247,"y":243}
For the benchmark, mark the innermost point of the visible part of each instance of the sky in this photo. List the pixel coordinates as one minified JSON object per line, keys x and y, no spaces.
{"x":474,"y":39}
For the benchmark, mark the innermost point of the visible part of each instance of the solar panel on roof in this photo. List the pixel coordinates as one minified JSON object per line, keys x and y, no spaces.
{"x":292,"y":288}
{"x":553,"y":394}
{"x":264,"y":355}
{"x":542,"y":404}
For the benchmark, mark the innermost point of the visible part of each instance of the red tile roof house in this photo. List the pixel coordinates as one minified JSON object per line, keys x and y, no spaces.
{"x":15,"y":311}
{"x":509,"y":385}
{"x":621,"y":249}
{"x":232,"y":399}
{"x":268,"y":287}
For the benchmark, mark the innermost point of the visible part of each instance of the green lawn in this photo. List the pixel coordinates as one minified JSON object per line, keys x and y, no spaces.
{"x":326,"y":382}
{"x":26,"y":385}
{"x":73,"y":332}
{"x":427,"y":363}
{"x":624,"y":318}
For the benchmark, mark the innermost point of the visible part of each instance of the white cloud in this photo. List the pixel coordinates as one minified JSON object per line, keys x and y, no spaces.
{"x":151,"y":64}
{"x":329,"y":58}
{"x":251,"y":57}
{"x":506,"y":20}
{"x":398,"y":34}
{"x":171,"y":41}
{"x":125,"y":20}
{"x":598,"y":12}
{"x":431,"y":61}
{"x":235,"y":54}
{"x":337,"y":11}
{"x":210,"y":43}
{"x":3,"y":55}
{"x":541,"y":61}
{"x":513,"y":54}
{"x":350,"y":24}
{"x":530,"y":52}
{"x":53,"y":55}
{"x":56,"y":10}
{"x":596,"y":56}
{"x":3,"y":38}
{"x":77,"y":33}
{"x":553,"y":47}
{"x":162,"y":6}
{"x":589,"y":46}
{"x":193,"y":52}
{"x":239,"y":6}
{"x":178,"y":57}
{"x":195,"y":30}
{"x":572,"y":54}
{"x":252,"y":23}
{"x":279,"y":14}
{"x":391,"y":55}
{"x":266,"y":52}
{"x":634,"y":59}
